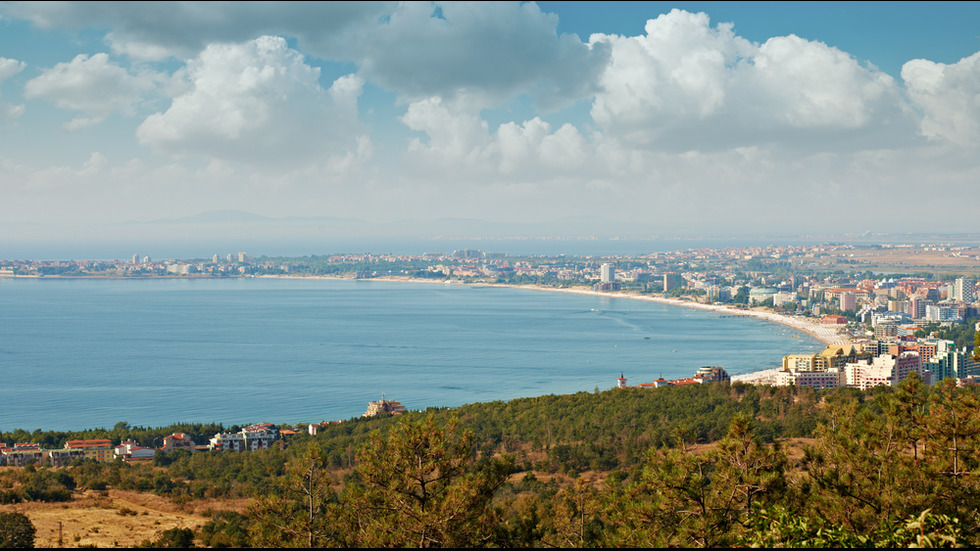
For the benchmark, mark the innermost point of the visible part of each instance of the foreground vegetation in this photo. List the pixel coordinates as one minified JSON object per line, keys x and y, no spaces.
{"x":694,"y":466}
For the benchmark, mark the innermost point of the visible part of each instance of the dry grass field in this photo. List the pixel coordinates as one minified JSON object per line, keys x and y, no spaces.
{"x":952,"y":260}
{"x":112,"y":518}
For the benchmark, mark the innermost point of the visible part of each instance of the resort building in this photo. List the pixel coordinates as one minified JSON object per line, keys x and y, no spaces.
{"x":97,"y":449}
{"x":251,"y":438}
{"x":178,"y":441}
{"x":884,"y":370}
{"x":228,"y":442}
{"x":384,"y":406}
{"x":63,"y":458}
{"x":832,"y":357}
{"x":132,"y":450}
{"x":818,"y":380}
{"x":950,"y":362}
{"x":713,"y":374}
{"x":607,"y":274}
{"x":258,"y":437}
{"x":963,"y":289}
{"x":19,"y":455}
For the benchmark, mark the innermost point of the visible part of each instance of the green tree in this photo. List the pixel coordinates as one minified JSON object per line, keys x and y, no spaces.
{"x":303,"y":513}
{"x":423,"y":486}
{"x":575,"y":517}
{"x":976,"y":346}
{"x":741,"y":296}
{"x":687,"y":499}
{"x":857,"y":469}
{"x":16,"y":531}
{"x":778,"y":527}
{"x":953,"y":444}
{"x":226,"y":529}
{"x":174,"y":538}
{"x":907,"y":408}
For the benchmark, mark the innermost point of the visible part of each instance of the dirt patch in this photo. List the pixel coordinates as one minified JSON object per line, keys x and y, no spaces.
{"x":105,"y":519}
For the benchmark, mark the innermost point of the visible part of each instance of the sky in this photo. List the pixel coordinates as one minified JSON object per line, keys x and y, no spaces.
{"x":721,"y":118}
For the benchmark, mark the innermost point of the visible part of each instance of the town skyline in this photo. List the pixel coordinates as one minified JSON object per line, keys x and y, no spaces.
{"x":666,"y":118}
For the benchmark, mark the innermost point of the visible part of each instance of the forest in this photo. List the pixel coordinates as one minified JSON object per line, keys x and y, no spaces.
{"x":711,"y":465}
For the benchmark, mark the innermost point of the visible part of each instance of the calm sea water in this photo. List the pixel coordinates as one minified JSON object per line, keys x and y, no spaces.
{"x":89,"y":353}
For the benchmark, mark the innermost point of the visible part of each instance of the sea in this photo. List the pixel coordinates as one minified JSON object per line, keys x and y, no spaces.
{"x":89,"y":353}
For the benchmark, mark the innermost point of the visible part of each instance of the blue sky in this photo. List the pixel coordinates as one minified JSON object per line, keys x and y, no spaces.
{"x":713,"y":117}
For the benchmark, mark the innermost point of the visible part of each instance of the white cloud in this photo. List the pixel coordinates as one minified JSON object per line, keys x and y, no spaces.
{"x":460,"y":142}
{"x":257,"y":102}
{"x":807,"y":84}
{"x":687,"y":85}
{"x":8,"y":68}
{"x":483,"y":53}
{"x":157,"y":30}
{"x":949,"y":97}
{"x":93,"y":85}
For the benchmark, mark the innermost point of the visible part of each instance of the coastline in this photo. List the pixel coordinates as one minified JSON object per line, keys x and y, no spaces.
{"x":827,"y":334}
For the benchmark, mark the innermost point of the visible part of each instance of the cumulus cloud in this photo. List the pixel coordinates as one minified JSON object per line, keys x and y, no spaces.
{"x":156,"y":30}
{"x":949,"y":97}
{"x":93,"y":85}
{"x":462,"y":142}
{"x":687,"y":85}
{"x":8,"y":68}
{"x":480,"y":53}
{"x":256,"y":102}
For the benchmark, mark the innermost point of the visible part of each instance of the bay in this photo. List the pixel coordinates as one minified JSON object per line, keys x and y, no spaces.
{"x":78,"y":353}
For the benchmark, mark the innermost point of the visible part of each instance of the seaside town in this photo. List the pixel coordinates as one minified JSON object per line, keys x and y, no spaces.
{"x":878,"y":328}
{"x":254,"y":437}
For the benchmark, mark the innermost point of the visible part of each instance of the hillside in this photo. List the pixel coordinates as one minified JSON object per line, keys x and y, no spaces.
{"x":700,"y":465}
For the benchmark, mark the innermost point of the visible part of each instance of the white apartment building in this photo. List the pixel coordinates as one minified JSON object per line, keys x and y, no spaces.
{"x":963,"y":289}
{"x":607,"y":273}
{"x":884,"y":370}
{"x":818,"y":380}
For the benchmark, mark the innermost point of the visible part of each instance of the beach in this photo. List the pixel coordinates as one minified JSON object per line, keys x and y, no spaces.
{"x":827,"y":333}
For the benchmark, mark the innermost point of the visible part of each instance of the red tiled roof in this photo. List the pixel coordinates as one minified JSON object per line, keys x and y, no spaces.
{"x":87,"y":443}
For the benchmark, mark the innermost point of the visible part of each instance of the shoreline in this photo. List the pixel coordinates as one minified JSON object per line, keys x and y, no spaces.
{"x":824,"y":333}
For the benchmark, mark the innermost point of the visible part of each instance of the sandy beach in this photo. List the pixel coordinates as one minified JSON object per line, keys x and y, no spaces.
{"x":827,"y":333}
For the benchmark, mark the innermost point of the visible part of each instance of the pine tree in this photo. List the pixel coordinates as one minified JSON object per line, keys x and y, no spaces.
{"x":688,"y":499}
{"x":16,"y":531}
{"x":574,"y":516}
{"x":304,"y":513}
{"x":423,"y":486}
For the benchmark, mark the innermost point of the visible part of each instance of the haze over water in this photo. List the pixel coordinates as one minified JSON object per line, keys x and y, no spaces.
{"x":89,"y":353}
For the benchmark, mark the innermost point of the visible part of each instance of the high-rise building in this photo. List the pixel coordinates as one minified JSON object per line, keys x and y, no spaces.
{"x":607,"y":273}
{"x":963,"y":289}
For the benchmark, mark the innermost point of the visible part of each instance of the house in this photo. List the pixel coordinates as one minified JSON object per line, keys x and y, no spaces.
{"x":178,"y":441}
{"x":131,"y":450}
